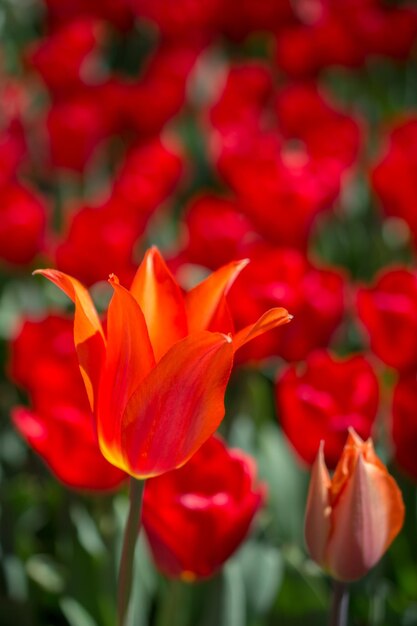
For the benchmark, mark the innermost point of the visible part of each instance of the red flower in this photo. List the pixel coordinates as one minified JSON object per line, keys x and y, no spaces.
{"x":215,"y":232}
{"x":160,"y":92}
{"x":22,"y":224}
{"x":157,"y":380}
{"x":394,"y":178}
{"x":291,"y":157}
{"x":182,"y":19}
{"x":76,"y":127}
{"x":62,"y":58}
{"x":404,"y":423}
{"x":116,"y":229}
{"x":320,"y":399}
{"x":283,"y":277}
{"x":343,"y":32}
{"x":60,"y":425}
{"x":118,"y":12}
{"x":197,"y":516}
{"x":44,"y":362}
{"x":149,"y":173}
{"x":388,"y":310}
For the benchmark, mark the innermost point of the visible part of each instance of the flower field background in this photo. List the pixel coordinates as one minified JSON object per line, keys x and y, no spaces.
{"x":279,"y":131}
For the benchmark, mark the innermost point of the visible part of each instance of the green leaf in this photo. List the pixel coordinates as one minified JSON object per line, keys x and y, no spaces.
{"x":263,"y":568}
{"x":233,"y":598}
{"x":75,"y":614}
{"x":48,"y":574}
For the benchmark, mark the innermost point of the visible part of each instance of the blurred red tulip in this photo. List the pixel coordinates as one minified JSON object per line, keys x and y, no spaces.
{"x":148,"y":174}
{"x":215,"y":232}
{"x":318,"y":400}
{"x":394,"y":178}
{"x":64,"y":437}
{"x":182,"y":19}
{"x":296,"y":148}
{"x":388,"y":310}
{"x":63,"y":57}
{"x":404,"y":423}
{"x":43,"y":361}
{"x":60,"y":426}
{"x":283,"y":277}
{"x":22,"y":224}
{"x":352,"y":518}
{"x":160,"y":91}
{"x":156,"y":382}
{"x":343,"y":32}
{"x":197,"y":516}
{"x":76,"y":127}
{"x":118,"y":12}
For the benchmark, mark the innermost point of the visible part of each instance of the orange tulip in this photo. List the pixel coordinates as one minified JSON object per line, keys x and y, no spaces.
{"x":156,"y":380}
{"x":352,"y":518}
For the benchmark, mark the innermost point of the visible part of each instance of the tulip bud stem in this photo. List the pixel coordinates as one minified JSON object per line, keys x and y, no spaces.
{"x":340,"y":604}
{"x":128,"y":551}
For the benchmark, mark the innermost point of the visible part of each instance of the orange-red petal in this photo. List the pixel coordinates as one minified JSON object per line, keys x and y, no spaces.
{"x":178,"y":406}
{"x":206,"y":301}
{"x":269,"y":320}
{"x":317,"y":518}
{"x":129,"y":358}
{"x":88,"y":333}
{"x":161,"y":301}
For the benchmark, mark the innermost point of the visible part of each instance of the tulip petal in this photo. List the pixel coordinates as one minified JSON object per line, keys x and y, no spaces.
{"x":269,"y":320}
{"x":88,"y":333}
{"x":178,"y":406}
{"x":205,"y":301}
{"x":317,"y":518}
{"x":161,"y":301}
{"x":129,"y":358}
{"x":366,"y":518}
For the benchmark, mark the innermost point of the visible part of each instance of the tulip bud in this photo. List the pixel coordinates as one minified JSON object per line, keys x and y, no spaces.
{"x":352,"y":518}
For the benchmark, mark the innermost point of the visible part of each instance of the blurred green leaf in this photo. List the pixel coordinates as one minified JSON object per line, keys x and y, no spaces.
{"x":233,"y":598}
{"x":87,"y":531}
{"x":263,"y":568}
{"x":75,"y":614}
{"x":287,"y":484}
{"x":45,"y":572}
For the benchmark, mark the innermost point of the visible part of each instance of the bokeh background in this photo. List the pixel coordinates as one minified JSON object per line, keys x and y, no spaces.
{"x":284,"y":131}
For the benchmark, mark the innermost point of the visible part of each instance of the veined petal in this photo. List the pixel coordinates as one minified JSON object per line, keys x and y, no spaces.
{"x":129,"y":358}
{"x":178,"y":406}
{"x":161,"y":301}
{"x":88,"y":333}
{"x":269,"y":320}
{"x":204,"y":301}
{"x":367,"y":517}
{"x":317,"y":518}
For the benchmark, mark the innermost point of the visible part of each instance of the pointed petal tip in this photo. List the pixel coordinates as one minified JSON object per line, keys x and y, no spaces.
{"x":113,"y":279}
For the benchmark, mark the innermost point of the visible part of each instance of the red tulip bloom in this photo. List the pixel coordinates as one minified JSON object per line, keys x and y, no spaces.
{"x":197,"y":516}
{"x":62,"y":58}
{"x":404,"y":423}
{"x":394,"y":177}
{"x":388,"y":310}
{"x":297,"y":159}
{"x":284,"y":277}
{"x":156,"y":381}
{"x":22,"y":224}
{"x":60,"y":425}
{"x":215,"y":232}
{"x":352,"y":518}
{"x":320,"y":399}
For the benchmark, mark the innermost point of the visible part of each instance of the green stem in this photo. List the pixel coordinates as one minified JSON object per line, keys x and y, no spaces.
{"x":131,"y":534}
{"x":170,"y":613}
{"x":340,"y":604}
